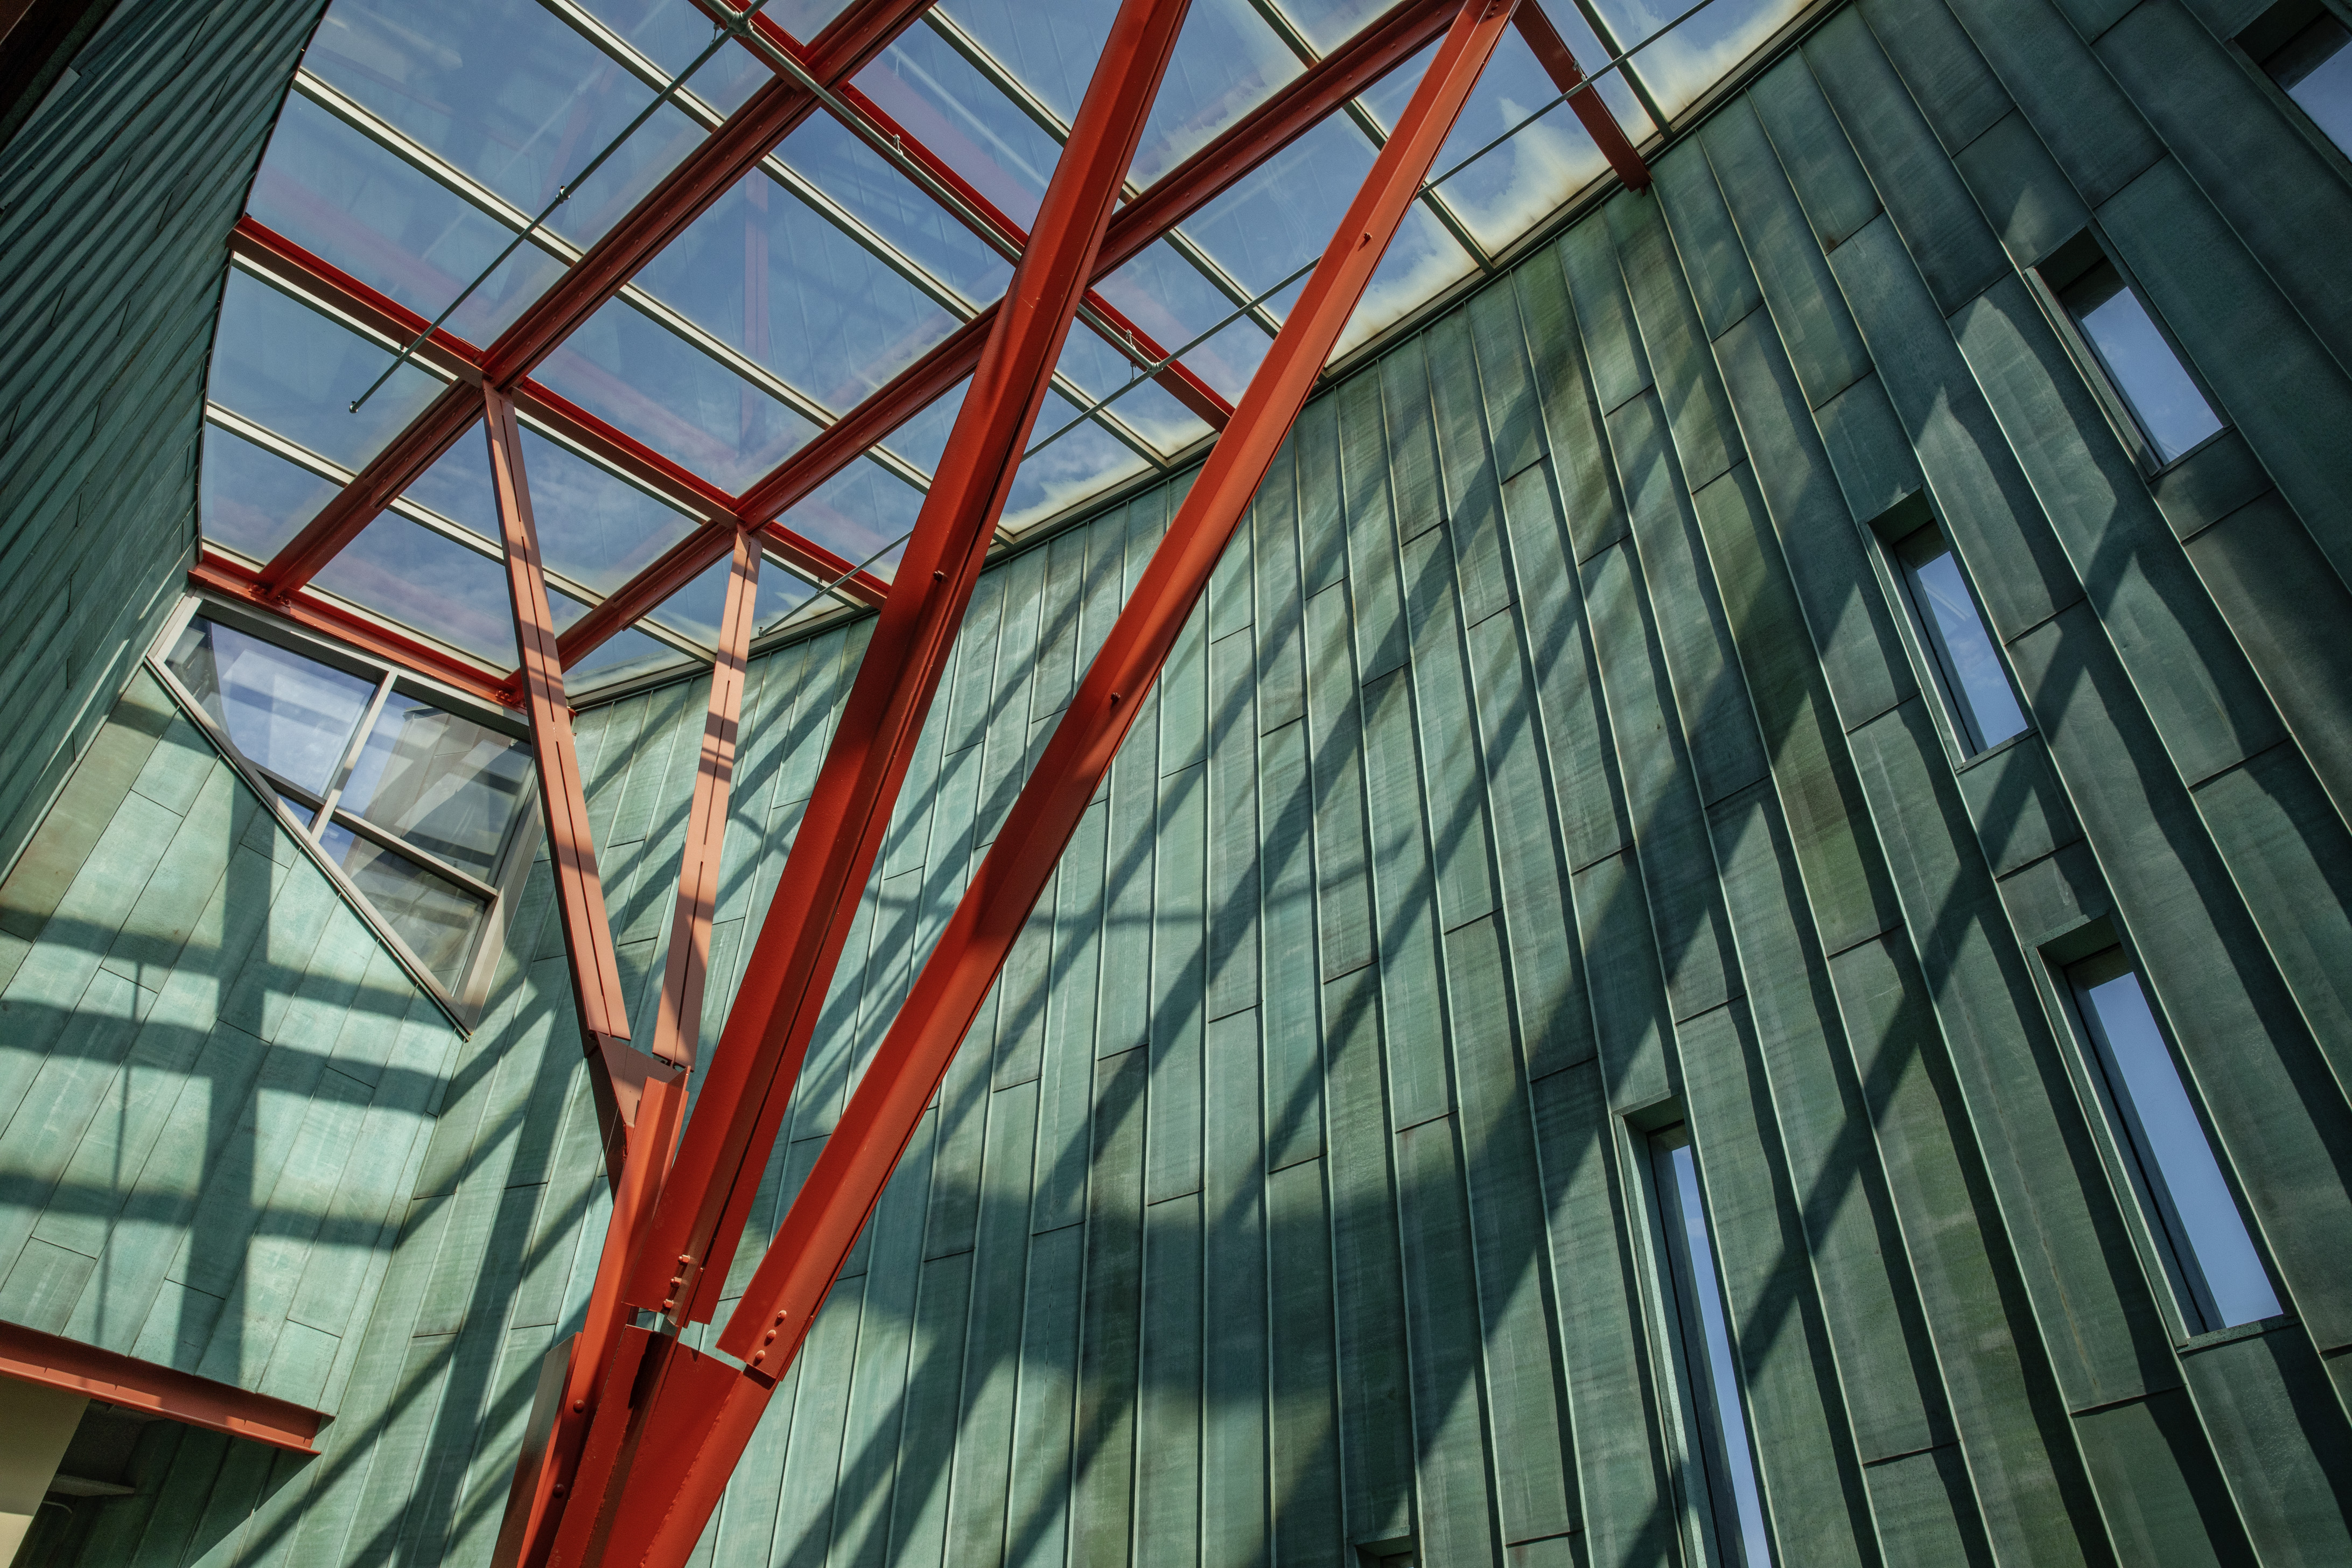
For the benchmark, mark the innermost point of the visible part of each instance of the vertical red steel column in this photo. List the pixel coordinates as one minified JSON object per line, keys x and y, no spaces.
{"x":1552,"y":52}
{"x":708,"y":1199}
{"x":692,"y":1414}
{"x":618,"y":1071}
{"x":551,"y":1456}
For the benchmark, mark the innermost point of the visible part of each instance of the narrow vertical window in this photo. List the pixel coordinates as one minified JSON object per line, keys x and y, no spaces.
{"x":1711,"y":1373}
{"x":2307,"y":51}
{"x":2164,"y":399}
{"x":2199,"y":1215}
{"x":1976,"y":688}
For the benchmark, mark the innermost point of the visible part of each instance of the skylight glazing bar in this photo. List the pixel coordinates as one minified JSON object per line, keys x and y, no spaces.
{"x":856,"y":37}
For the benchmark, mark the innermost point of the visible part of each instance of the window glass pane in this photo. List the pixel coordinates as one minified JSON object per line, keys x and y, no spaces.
{"x":1327,"y":24}
{"x":435,"y":917}
{"x":510,"y":95}
{"x":1165,"y":295}
{"x":1227,"y":61}
{"x":253,"y":499}
{"x":2314,"y":67}
{"x":1144,"y":406}
{"x":1684,"y":64}
{"x":764,"y":273}
{"x":282,"y":364}
{"x":1050,"y":47}
{"x":1085,"y":461}
{"x":1707,"y":1344}
{"x":593,"y":526}
{"x":388,"y":224}
{"x":671,"y":33}
{"x":862,"y":509}
{"x":939,"y":100}
{"x":696,"y":610}
{"x":408,"y":572}
{"x":1280,"y":216}
{"x":2208,"y":1231}
{"x":630,"y":371}
{"x":1988,"y":708}
{"x":906,"y":216}
{"x":444,"y":783}
{"x":291,"y":715}
{"x":922,"y":441}
{"x":2170,"y":407}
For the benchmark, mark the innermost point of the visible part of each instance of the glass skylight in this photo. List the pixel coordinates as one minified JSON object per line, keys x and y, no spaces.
{"x":424,"y":136}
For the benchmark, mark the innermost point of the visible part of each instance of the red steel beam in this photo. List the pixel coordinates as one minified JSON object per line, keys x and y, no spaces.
{"x":691,"y":1414}
{"x":1244,"y":146}
{"x":619,"y":1072}
{"x":1552,"y":53}
{"x":545,"y":1469}
{"x":54,"y":1361}
{"x":725,"y":156}
{"x":703,"y":1208}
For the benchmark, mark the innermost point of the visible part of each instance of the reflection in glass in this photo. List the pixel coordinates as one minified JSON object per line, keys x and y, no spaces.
{"x":1680,"y":66}
{"x":1072,"y":468}
{"x":2196,"y":1209}
{"x":252,"y":500}
{"x":434,"y":916}
{"x":291,"y":715}
{"x":630,"y":371}
{"x":282,"y":364}
{"x":764,"y":273}
{"x":1167,"y":297}
{"x":2171,"y":410}
{"x":1711,"y":1364}
{"x":444,"y":783}
{"x":352,"y":201}
{"x":1279,"y":217}
{"x":1979,"y":690}
{"x":903,"y":214}
{"x":508,"y":94}
{"x":593,"y":526}
{"x":2315,"y":68}
{"x":859,"y":510}
{"x":625,"y":653}
{"x":1227,"y":61}
{"x":922,"y":441}
{"x":405,"y":571}
{"x":937,"y":98}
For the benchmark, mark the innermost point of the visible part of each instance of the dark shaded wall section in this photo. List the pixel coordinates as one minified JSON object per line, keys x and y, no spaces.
{"x":115,"y":206}
{"x":1549,"y":748}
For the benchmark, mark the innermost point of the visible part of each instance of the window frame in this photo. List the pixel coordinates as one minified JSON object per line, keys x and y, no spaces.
{"x":1894,"y":529}
{"x":2186,"y":1301}
{"x":517,"y":848}
{"x":2069,"y":264}
{"x":1701,"y":1464}
{"x":2269,"y":35}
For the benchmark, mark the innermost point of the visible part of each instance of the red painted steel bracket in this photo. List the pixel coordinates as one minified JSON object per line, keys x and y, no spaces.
{"x":1552,"y":52}
{"x":54,"y":1361}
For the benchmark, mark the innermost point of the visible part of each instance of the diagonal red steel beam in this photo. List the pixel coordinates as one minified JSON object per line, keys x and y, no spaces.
{"x":551,"y":1455}
{"x":1552,"y":52}
{"x":618,"y":1072}
{"x":733,"y":150}
{"x":1247,"y":143}
{"x":688,"y":1415}
{"x":703,"y":1208}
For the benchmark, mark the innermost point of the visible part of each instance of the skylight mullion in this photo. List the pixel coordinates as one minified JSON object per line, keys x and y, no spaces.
{"x":430,"y":163}
{"x":663,"y":314}
{"x":594,"y":29}
{"x":976,"y":55}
